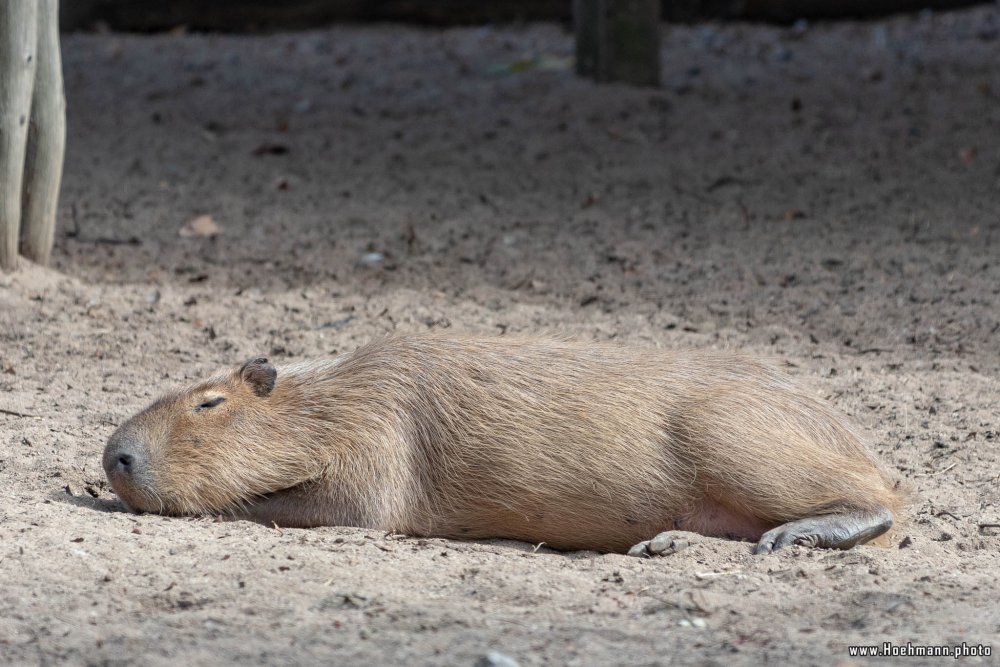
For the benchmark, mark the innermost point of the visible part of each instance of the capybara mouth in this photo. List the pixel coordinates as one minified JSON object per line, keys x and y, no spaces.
{"x":134,"y":499}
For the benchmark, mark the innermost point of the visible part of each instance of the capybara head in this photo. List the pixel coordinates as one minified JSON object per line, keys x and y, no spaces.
{"x":207,"y":448}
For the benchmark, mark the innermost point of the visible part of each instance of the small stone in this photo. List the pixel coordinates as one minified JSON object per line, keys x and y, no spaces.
{"x":496,"y":659}
{"x":254,"y":293}
{"x":202,"y":226}
{"x":371,"y":259}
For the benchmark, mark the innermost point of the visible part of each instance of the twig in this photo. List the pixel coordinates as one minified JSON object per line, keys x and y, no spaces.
{"x":705,"y":575}
{"x":15,"y":413}
{"x":105,"y":240}
{"x":943,"y":470}
{"x":983,"y":527}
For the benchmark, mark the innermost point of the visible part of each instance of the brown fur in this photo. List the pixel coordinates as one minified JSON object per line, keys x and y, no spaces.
{"x":575,"y":445}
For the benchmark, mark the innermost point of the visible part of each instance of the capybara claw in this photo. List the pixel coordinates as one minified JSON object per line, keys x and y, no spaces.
{"x":640,"y":550}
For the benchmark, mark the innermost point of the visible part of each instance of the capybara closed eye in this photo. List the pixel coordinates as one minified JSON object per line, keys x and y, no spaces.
{"x":578,"y":445}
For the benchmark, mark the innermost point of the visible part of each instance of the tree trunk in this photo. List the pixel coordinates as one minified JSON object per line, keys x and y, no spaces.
{"x":46,"y":141}
{"x":18,"y":36}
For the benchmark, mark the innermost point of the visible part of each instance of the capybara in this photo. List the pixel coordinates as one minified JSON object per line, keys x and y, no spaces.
{"x":577,"y":445}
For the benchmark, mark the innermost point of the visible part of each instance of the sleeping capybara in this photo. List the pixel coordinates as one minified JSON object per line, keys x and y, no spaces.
{"x":577,"y":445}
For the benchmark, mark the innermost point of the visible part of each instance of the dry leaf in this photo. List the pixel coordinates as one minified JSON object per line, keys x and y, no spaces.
{"x":203,"y":226}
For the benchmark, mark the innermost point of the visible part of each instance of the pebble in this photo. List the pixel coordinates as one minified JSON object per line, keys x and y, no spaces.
{"x":371,"y":259}
{"x":496,"y":659}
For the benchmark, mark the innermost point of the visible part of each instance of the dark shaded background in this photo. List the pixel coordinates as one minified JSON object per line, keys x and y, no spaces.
{"x":265,"y":15}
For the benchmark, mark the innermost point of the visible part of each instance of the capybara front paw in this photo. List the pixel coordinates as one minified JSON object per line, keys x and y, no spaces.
{"x":664,"y":544}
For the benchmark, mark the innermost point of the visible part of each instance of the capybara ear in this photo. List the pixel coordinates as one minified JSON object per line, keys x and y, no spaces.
{"x":260,"y":375}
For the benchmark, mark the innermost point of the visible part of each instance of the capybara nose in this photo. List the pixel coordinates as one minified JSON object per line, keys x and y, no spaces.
{"x":123,"y":457}
{"x":125,"y":462}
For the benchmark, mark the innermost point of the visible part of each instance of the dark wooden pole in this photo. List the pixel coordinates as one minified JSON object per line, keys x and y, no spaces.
{"x":618,"y":40}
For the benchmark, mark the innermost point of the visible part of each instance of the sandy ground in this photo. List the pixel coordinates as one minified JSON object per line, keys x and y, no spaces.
{"x":827,"y":196}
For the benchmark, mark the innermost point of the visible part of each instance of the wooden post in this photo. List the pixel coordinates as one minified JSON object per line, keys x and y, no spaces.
{"x":18,"y":36}
{"x":46,"y":141}
{"x":618,"y":40}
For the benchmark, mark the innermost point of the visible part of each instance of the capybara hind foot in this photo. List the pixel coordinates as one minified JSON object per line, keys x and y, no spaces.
{"x":664,"y":544}
{"x":831,"y":531}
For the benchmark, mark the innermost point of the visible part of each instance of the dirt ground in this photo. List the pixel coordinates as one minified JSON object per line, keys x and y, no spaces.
{"x":826,"y":195}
